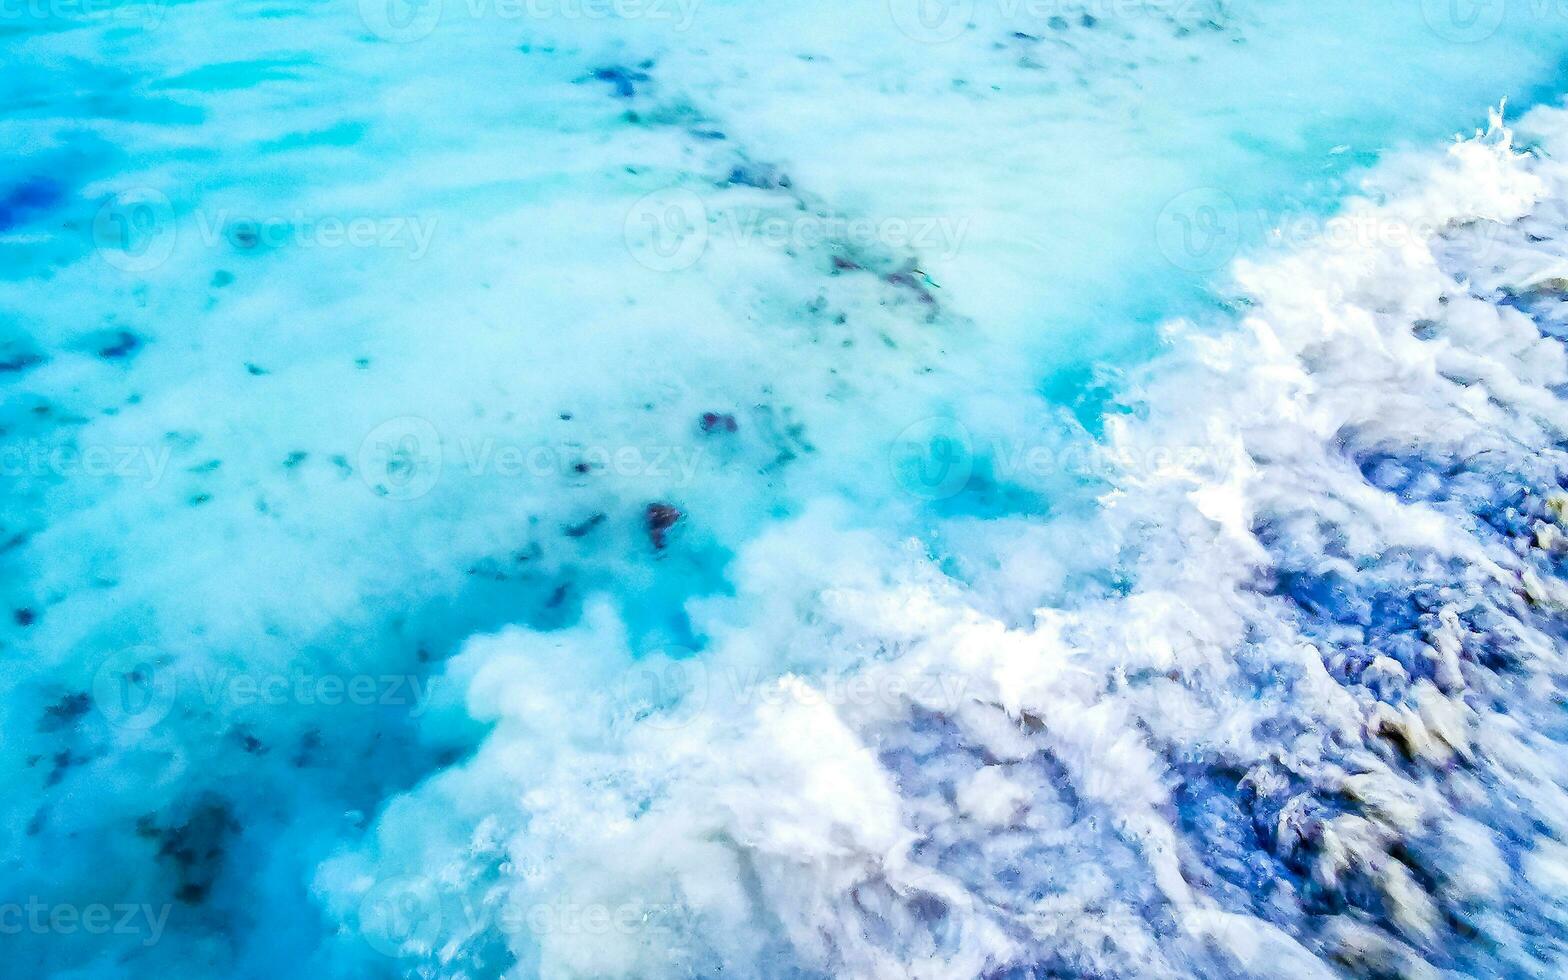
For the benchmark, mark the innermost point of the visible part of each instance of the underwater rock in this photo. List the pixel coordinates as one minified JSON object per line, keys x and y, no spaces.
{"x":715,"y":422}
{"x":659,"y":519}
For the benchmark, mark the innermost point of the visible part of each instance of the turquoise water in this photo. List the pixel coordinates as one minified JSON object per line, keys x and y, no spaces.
{"x":383,"y":384}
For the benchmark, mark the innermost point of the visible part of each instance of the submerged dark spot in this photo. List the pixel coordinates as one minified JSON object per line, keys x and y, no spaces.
{"x":714,"y":422}
{"x":120,"y":345}
{"x":63,"y":761}
{"x":582,"y":529}
{"x":25,"y":616}
{"x":764,"y":176}
{"x":27,"y":199}
{"x":255,"y":370}
{"x":249,"y":742}
{"x":196,"y":848}
{"x":624,"y":80}
{"x":64,"y":712}
{"x":309,"y":747}
{"x":222,"y":278}
{"x":708,"y":134}
{"x":913,"y":280}
{"x":17,"y":363}
{"x":245,"y":235}
{"x":659,"y":518}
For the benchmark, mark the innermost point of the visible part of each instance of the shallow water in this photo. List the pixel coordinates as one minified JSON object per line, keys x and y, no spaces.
{"x":340,"y":337}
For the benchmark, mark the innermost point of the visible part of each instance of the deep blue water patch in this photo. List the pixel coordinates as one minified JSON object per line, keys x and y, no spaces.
{"x":25,"y":201}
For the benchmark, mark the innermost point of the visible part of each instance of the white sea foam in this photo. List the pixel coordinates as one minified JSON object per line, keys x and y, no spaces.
{"x":1317,"y":732}
{"x":310,"y":334}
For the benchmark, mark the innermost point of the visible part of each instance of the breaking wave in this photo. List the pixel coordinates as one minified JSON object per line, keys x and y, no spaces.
{"x":1304,"y":717}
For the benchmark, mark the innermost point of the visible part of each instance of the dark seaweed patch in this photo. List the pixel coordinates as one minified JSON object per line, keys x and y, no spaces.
{"x":623,"y":80}
{"x":659,"y":519}
{"x":716,"y":422}
{"x":581,"y":530}
{"x":195,"y":848}
{"x":64,"y":713}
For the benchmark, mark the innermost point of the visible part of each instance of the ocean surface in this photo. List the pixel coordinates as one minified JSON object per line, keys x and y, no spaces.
{"x":702,"y":488}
